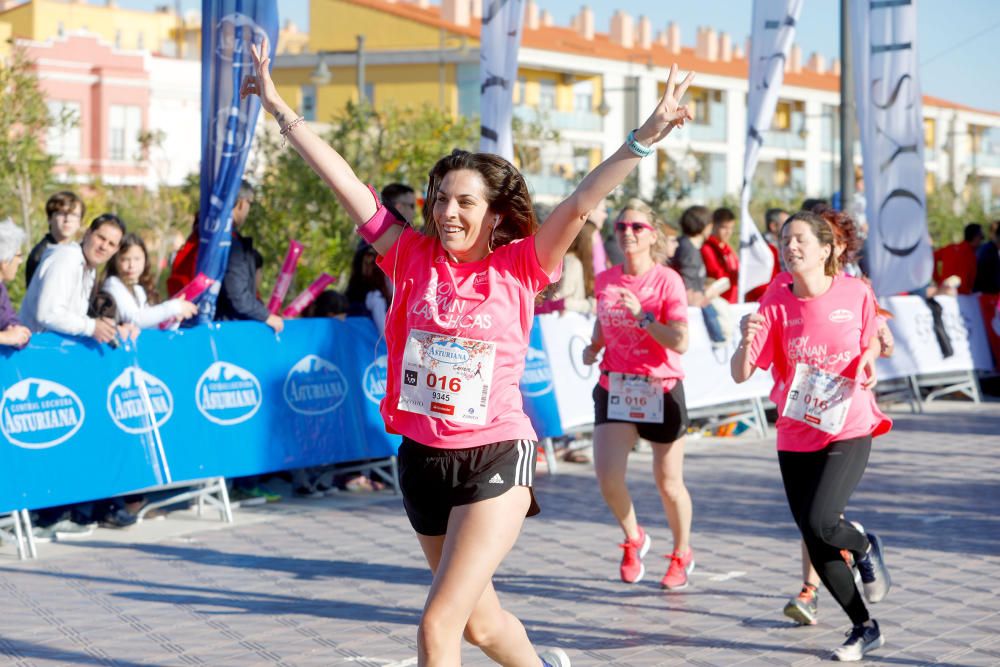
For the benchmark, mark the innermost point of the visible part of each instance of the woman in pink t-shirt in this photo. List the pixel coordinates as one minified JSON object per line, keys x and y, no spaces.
{"x":642,"y":328}
{"x":819,"y":334}
{"x":457,"y":336}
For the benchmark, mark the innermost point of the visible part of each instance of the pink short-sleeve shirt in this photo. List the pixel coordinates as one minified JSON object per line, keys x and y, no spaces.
{"x":628,"y":348}
{"x":829,"y":332}
{"x":490,"y":300}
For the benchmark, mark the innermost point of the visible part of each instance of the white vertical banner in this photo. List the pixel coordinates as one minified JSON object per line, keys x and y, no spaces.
{"x":771,"y":37}
{"x":499,"y":44}
{"x":890,"y":118}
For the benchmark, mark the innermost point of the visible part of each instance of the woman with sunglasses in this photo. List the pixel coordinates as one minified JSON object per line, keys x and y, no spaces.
{"x":642,"y":327}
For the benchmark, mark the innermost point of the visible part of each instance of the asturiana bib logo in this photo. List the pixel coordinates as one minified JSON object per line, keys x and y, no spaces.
{"x":37,"y":414}
{"x":537,"y":378}
{"x":375,"y":378}
{"x":448,"y":352}
{"x":127,"y":401}
{"x":314,"y":386}
{"x":227,"y":394}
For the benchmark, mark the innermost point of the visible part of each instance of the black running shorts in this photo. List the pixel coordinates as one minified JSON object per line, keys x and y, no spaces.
{"x":675,"y":417}
{"x":433,"y":480}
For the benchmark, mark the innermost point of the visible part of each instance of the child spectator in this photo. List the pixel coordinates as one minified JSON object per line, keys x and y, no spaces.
{"x":64,"y":211}
{"x":130,"y":285}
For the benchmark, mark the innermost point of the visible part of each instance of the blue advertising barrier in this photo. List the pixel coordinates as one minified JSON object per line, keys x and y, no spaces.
{"x":537,"y":388}
{"x":81,"y":421}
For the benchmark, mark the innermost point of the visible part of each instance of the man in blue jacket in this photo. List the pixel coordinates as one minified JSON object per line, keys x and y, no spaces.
{"x":238,"y":296}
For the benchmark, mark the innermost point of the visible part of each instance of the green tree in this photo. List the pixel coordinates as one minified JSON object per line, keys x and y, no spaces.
{"x":382,"y":146}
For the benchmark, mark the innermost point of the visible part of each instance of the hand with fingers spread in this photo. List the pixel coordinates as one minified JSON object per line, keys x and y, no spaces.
{"x":259,"y":83}
{"x":669,"y":113}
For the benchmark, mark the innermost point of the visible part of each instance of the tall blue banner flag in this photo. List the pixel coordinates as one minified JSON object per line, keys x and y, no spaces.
{"x":227,"y":123}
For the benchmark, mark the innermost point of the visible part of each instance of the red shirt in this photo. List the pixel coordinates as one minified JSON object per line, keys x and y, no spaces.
{"x":957,"y":259}
{"x":721,"y":261}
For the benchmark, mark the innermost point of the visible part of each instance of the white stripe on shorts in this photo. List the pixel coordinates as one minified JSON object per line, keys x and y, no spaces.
{"x":524,"y":462}
{"x":517,"y":466}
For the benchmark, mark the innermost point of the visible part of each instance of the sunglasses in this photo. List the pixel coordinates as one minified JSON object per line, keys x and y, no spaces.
{"x":637,"y":227}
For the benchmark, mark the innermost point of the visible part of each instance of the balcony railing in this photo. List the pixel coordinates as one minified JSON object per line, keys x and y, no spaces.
{"x":584,"y":121}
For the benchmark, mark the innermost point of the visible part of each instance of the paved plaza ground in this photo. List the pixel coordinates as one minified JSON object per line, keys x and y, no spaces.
{"x":340,"y":581}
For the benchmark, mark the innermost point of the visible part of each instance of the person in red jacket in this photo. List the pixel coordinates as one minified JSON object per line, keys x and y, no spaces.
{"x":959,"y":259}
{"x":721,"y":261}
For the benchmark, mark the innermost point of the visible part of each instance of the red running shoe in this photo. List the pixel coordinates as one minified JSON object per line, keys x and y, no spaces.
{"x":632,"y":569}
{"x":681,"y":565}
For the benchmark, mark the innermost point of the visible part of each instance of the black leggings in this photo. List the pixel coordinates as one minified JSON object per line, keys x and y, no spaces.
{"x":818,"y":486}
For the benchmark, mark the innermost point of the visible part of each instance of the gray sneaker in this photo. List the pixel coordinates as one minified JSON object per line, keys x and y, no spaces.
{"x":66,"y":530}
{"x":875,"y":577}
{"x":860,"y":640}
{"x":554,"y":657}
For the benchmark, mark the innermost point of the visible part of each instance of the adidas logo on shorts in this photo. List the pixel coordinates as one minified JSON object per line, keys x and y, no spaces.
{"x":496,"y":479}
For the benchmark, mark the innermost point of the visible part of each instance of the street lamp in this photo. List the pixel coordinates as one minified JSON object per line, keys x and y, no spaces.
{"x":320,"y":76}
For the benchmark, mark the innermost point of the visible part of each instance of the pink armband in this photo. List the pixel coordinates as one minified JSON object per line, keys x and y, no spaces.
{"x":379,"y":223}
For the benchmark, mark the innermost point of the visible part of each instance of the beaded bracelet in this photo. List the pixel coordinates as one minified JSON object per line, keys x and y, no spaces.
{"x":288,"y":128}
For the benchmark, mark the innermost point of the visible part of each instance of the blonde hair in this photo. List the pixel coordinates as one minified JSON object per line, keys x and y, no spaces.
{"x":659,"y":249}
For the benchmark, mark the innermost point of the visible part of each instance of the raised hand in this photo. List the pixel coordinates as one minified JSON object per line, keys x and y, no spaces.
{"x":259,"y":83}
{"x":669,"y":113}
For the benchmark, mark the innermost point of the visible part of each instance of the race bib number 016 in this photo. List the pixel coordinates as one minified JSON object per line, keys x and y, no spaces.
{"x":447,"y":377}
{"x":635,"y":398}
{"x":819,"y":399}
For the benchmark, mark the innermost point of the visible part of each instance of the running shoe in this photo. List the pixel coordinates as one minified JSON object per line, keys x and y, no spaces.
{"x":632,"y":569}
{"x":860,"y":640}
{"x":681,"y":565}
{"x":874,"y":574}
{"x":554,"y":657}
{"x":803,"y":608}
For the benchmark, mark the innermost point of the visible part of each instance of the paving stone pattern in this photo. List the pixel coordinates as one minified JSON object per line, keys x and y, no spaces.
{"x":340,"y":581}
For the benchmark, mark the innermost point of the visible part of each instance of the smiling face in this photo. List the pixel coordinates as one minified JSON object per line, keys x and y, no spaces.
{"x":100,"y":244}
{"x":801,"y":248}
{"x":635,"y":232}
{"x":462,"y":215}
{"x":130,"y":264}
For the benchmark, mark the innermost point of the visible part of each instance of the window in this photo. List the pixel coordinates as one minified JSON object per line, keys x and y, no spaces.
{"x":125,"y":124}
{"x":782,"y":117}
{"x":519,"y":88}
{"x":370,"y":93}
{"x":700,"y":107}
{"x":61,"y":29}
{"x":141,"y":42}
{"x":308,"y":109}
{"x":63,"y":137}
{"x":547,"y":94}
{"x":118,"y":39}
{"x":929,"y":127}
{"x":583,"y":96}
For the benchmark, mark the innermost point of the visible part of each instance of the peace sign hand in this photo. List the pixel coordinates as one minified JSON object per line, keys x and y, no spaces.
{"x":259,"y":83}
{"x":669,"y":113}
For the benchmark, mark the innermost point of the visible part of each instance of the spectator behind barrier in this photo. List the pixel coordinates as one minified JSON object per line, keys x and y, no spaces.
{"x":988,"y":263}
{"x":58,"y":297}
{"x":65,"y":212}
{"x":12,"y":332}
{"x":957,"y":262}
{"x":401,"y":199}
{"x":238,"y":297}
{"x":774,"y":218}
{"x":329,"y":303}
{"x":688,"y":262}
{"x":129,"y":283}
{"x":367,"y":291}
{"x":720,"y":259}
{"x":575,"y":289}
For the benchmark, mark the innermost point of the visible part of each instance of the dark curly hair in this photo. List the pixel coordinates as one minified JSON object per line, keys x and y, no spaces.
{"x":506,"y":193}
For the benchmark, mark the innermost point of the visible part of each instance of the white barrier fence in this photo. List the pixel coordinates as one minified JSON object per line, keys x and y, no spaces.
{"x":707,"y":382}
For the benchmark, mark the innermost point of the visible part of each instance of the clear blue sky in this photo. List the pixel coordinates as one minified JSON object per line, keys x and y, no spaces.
{"x":957,"y":48}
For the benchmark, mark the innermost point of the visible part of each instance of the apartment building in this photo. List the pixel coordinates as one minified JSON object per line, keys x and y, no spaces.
{"x":592,"y":87}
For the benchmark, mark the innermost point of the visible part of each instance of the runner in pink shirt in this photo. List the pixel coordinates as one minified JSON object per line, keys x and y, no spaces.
{"x":642,"y":328}
{"x":457,"y":334}
{"x":819,"y":333}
